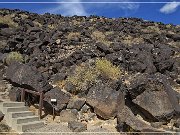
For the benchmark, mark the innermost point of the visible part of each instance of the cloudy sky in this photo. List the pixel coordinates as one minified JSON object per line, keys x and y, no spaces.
{"x":166,"y":11}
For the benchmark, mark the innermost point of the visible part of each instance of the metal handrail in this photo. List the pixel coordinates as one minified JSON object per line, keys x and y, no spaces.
{"x":41,"y":94}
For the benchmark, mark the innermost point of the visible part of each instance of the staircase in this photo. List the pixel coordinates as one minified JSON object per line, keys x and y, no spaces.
{"x":19,"y":117}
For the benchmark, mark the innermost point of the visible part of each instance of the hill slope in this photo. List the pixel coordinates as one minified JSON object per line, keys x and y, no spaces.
{"x":120,"y":67}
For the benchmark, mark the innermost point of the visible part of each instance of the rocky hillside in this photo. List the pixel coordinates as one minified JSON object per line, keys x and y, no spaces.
{"x":97,"y":68}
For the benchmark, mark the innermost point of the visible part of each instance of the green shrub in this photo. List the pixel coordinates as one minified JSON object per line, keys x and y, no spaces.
{"x":8,"y":20}
{"x":107,"y":69}
{"x":14,"y":56}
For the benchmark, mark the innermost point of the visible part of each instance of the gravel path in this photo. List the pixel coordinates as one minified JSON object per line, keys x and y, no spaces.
{"x":62,"y":129}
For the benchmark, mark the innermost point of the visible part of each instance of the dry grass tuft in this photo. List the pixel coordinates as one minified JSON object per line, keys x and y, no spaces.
{"x":129,"y":40}
{"x":106,"y":68}
{"x":100,"y":37}
{"x":38,"y":24}
{"x":82,"y":76}
{"x":14,"y":56}
{"x":7,"y":19}
{"x":51,"y":26}
{"x":73,"y":35}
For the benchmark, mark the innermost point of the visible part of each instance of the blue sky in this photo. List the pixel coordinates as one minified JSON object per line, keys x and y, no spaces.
{"x":160,"y":12}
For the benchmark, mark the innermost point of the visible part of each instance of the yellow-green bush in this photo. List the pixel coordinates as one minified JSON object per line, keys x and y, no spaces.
{"x":8,"y":20}
{"x":73,"y":35}
{"x":38,"y":24}
{"x":51,"y":26}
{"x":129,"y":40}
{"x":85,"y":75}
{"x":106,"y":68}
{"x":100,"y":37}
{"x":82,"y":76}
{"x":14,"y":56}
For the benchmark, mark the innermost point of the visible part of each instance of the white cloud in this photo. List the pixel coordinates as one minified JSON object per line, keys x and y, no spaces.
{"x":69,"y":9}
{"x":170,"y":7}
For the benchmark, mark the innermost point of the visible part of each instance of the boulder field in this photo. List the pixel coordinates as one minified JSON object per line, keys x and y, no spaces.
{"x":96,"y":67}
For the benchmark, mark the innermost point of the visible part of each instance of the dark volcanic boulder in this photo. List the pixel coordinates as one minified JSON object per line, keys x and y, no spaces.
{"x":103,"y":48}
{"x":15,"y":94}
{"x":76,"y":103}
{"x":1,"y":116}
{"x":155,"y":102}
{"x":7,"y":32}
{"x":156,"y":96}
{"x":104,"y":100}
{"x":25,"y":76}
{"x":3,"y":25}
{"x":61,"y":97}
{"x":125,"y":116}
{"x":136,"y":84}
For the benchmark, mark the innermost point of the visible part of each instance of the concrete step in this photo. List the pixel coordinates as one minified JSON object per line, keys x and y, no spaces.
{"x":12,"y":104}
{"x":20,"y":114}
{"x":14,"y":109}
{"x":21,"y":120}
{"x":30,"y":125}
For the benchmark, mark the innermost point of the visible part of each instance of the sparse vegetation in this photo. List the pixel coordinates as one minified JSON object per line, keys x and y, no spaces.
{"x":14,"y":56}
{"x":85,"y":75}
{"x":152,"y":29}
{"x":129,"y":40}
{"x":106,"y":68}
{"x":60,"y":84}
{"x":51,"y":26}
{"x":37,"y":24}
{"x":24,"y":16}
{"x":100,"y":37}
{"x":82,"y":76}
{"x":73,"y":35}
{"x":8,"y":20}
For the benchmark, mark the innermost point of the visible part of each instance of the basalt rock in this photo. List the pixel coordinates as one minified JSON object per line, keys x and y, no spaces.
{"x":76,"y":103}
{"x":126,"y":117}
{"x":158,"y":98}
{"x":104,"y":100}
{"x":1,"y":116}
{"x":146,"y":52}
{"x":61,"y":97}
{"x":24,"y":76}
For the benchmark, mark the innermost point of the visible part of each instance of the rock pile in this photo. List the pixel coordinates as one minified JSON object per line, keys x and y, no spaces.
{"x":96,"y":67}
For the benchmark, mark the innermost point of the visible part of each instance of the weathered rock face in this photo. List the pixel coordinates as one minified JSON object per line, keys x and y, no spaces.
{"x":125,"y":116}
{"x":155,"y":102}
{"x":27,"y":77}
{"x":15,"y":94}
{"x":104,"y":100}
{"x":61,"y":97}
{"x":135,"y":84}
{"x":76,"y":103}
{"x":156,"y":97}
